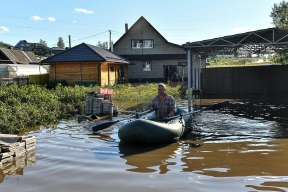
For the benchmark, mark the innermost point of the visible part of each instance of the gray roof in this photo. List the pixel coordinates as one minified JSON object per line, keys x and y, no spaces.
{"x":85,"y":53}
{"x":142,"y":19}
{"x":17,"y":56}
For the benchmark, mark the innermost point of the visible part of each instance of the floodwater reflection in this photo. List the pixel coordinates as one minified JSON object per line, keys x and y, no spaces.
{"x":149,"y":158}
{"x":240,"y":147}
{"x":230,"y":159}
{"x":16,"y":166}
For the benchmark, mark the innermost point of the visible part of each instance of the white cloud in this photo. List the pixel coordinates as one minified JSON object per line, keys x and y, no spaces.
{"x":74,"y":21}
{"x":3,"y":29}
{"x":51,"y":19}
{"x":241,"y":29}
{"x":37,"y":18}
{"x":84,"y":11}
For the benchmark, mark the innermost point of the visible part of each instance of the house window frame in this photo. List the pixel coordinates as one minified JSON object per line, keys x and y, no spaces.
{"x":146,"y":66}
{"x":142,"y":43}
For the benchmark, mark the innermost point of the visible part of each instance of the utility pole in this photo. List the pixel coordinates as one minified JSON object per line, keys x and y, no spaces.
{"x":109,"y":44}
{"x":69,"y":41}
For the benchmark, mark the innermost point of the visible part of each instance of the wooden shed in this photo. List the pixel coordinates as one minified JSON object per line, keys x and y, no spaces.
{"x":87,"y":64}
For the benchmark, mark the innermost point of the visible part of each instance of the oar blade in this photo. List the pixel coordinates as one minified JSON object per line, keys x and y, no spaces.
{"x":103,"y":126}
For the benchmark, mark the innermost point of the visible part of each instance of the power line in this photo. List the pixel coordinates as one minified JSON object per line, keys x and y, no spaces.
{"x":84,"y":37}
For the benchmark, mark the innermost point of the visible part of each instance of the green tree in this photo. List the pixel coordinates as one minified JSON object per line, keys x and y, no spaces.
{"x":5,"y":45}
{"x":103,"y":45}
{"x":281,"y":58}
{"x":44,"y":44}
{"x":279,"y":14}
{"x":60,"y":43}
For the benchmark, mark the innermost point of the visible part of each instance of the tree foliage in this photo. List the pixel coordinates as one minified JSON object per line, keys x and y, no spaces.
{"x":60,"y":43}
{"x":281,"y":58}
{"x":103,"y":45}
{"x":4,"y":45}
{"x":279,"y":14}
{"x":44,"y":44}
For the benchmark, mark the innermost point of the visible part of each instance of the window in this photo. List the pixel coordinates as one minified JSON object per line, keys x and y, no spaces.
{"x":146,"y":65}
{"x":142,"y":43}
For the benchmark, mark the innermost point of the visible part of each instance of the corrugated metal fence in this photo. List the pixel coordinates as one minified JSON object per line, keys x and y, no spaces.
{"x":256,"y":80}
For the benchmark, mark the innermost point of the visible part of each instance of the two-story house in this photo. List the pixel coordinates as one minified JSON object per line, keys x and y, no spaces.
{"x":24,"y":45}
{"x":154,"y":58}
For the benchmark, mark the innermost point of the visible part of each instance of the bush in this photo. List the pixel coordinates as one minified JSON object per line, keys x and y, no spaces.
{"x":26,"y":106}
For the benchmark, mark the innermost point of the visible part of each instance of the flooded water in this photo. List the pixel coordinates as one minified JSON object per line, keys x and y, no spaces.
{"x":240,"y":147}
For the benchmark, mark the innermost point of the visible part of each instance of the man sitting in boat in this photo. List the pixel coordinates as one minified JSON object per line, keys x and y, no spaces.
{"x":163,"y":104}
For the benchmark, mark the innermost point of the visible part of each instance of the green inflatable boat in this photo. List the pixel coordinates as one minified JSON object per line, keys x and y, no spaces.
{"x":145,"y":129}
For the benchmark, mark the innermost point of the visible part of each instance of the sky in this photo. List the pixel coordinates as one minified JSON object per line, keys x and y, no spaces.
{"x":89,"y":21}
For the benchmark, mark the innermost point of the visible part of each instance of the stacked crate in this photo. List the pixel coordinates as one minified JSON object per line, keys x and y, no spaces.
{"x":10,"y":151}
{"x":100,"y":103}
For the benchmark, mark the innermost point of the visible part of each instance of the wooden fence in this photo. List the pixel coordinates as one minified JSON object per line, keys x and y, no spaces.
{"x":256,"y":80}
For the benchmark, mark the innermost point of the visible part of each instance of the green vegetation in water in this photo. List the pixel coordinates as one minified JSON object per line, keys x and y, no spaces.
{"x":129,"y":97}
{"x":27,"y":106}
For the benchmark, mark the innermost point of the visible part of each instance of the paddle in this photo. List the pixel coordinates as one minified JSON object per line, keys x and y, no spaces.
{"x":211,"y":107}
{"x":108,"y":124}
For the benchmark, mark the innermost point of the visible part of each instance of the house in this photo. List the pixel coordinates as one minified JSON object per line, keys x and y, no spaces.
{"x":86,"y":64}
{"x":38,"y":49}
{"x":154,"y":58}
{"x":9,"y":56}
{"x":54,"y":50}
{"x":24,"y":45}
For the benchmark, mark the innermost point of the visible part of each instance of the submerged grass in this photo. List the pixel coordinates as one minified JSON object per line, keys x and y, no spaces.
{"x":22,"y":107}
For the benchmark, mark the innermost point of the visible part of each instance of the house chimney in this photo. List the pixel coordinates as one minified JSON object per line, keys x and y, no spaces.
{"x":126,"y":27}
{"x":69,"y":42}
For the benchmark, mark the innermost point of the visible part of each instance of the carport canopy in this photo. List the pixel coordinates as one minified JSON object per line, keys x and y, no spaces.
{"x":253,"y":41}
